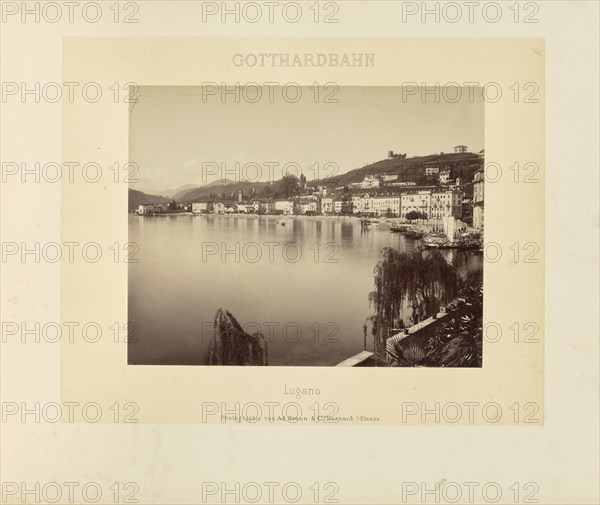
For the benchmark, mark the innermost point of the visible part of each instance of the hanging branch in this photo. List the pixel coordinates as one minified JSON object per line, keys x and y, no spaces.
{"x":424,"y":282}
{"x":231,"y":345}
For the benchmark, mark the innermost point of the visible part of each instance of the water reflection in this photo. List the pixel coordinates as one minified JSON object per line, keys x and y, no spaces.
{"x":303,"y":281}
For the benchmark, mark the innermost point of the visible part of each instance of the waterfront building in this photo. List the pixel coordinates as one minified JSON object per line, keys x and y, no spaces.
{"x":446,"y":203}
{"x":309,"y":205}
{"x":284,"y":206}
{"x":268,"y":206}
{"x":357,"y":204}
{"x":415,"y":201}
{"x":478,"y":184}
{"x":199,"y":207}
{"x":385,"y":204}
{"x":244,"y":208}
{"x":327,"y":205}
{"x":150,"y":208}
{"x":219,"y":208}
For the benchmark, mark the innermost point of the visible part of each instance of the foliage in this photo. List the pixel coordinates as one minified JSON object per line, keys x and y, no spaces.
{"x":459,"y":343}
{"x":413,"y":214}
{"x":231,"y":345}
{"x":456,"y":343}
{"x":423,"y":281}
{"x":413,"y":355}
{"x":288,"y":186}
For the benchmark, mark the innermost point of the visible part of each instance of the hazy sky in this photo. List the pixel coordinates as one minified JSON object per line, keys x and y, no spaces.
{"x":172,"y":132}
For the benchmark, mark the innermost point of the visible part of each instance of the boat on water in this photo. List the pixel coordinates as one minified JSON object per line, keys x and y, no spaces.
{"x":413,"y":234}
{"x":441,"y":242}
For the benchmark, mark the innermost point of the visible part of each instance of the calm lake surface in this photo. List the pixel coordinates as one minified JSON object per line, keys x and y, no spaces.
{"x":309,"y":297}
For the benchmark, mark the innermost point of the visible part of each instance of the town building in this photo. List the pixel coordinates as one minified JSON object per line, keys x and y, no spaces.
{"x":385,"y":205}
{"x":199,"y":207}
{"x":432,"y":170}
{"x":284,"y":206}
{"x":370,"y":182}
{"x":402,"y":183}
{"x":415,"y":201}
{"x":309,"y":205}
{"x":389,"y":177}
{"x":446,"y":203}
{"x":444,"y":176}
{"x":460,"y":149}
{"x":268,"y":207}
{"x":478,"y":185}
{"x":150,"y":208}
{"x":244,"y":208}
{"x":327,"y":205}
{"x":219,"y":208}
{"x":357,"y":204}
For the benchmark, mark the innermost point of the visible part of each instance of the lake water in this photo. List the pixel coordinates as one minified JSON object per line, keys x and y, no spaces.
{"x":303,"y":284}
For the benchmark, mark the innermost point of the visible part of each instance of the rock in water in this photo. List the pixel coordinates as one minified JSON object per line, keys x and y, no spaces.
{"x":231,"y":345}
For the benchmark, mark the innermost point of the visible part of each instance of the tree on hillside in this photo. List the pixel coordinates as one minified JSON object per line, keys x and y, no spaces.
{"x":266,"y":192}
{"x":290,"y":185}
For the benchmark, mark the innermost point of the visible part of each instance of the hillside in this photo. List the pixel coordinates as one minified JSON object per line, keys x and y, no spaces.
{"x":181,"y":196}
{"x":462,"y":165}
{"x":174,"y":193}
{"x":227,"y":189}
{"x":136,"y":198}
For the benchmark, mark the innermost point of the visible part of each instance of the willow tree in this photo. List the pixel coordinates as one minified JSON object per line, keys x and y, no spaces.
{"x":423,"y":281}
{"x":231,"y":345}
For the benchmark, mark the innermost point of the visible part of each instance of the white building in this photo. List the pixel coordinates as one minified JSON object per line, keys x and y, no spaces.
{"x":402,"y":183}
{"x":285,"y":206}
{"x":311,"y":206}
{"x":244,"y":208}
{"x":327,"y":205}
{"x":417,"y":201}
{"x":431,"y":170}
{"x":199,"y":207}
{"x":150,"y":208}
{"x":385,"y":204}
{"x":478,"y":186}
{"x":357,"y":204}
{"x":444,"y":176}
{"x":267,"y":206}
{"x":370,"y":182}
{"x":446,"y":203}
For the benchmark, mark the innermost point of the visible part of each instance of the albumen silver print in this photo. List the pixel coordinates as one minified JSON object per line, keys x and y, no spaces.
{"x":307,"y":226}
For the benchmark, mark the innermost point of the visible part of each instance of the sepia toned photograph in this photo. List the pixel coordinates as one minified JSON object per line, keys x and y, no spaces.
{"x":317,"y":226}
